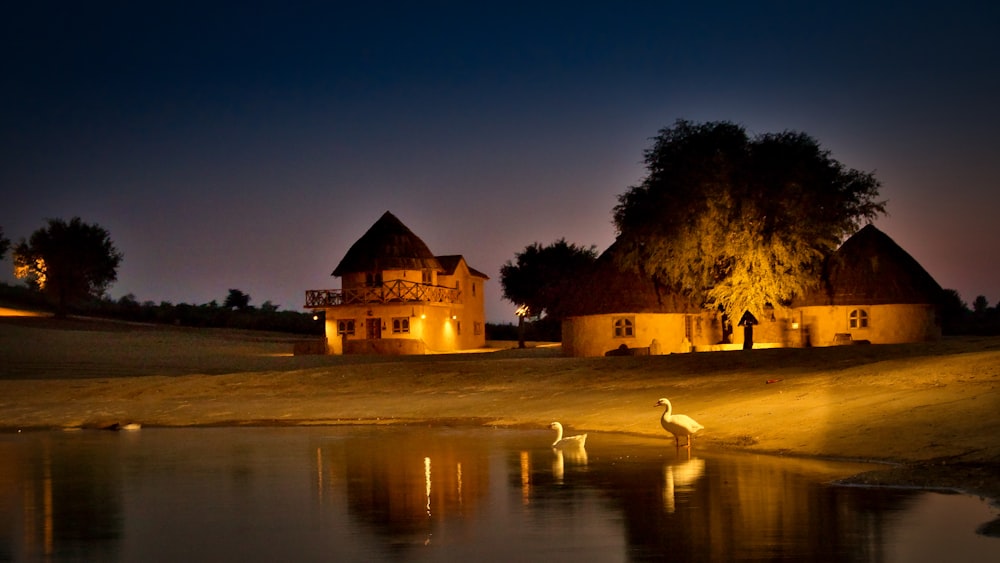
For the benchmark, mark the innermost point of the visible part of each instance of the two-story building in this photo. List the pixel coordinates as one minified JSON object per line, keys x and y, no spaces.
{"x":397,"y":297}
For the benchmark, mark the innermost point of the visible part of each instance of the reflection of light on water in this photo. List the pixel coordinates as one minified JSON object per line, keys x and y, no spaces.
{"x":319,"y":473}
{"x":525,"y":477}
{"x":574,"y":455}
{"x":680,"y":477}
{"x":558,"y":466}
{"x":460,"y":484}
{"x":427,"y":482}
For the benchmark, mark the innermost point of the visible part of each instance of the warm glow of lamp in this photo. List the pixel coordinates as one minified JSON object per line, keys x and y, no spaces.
{"x":795,"y":326}
{"x":522,"y":311}
{"x":453,"y":317}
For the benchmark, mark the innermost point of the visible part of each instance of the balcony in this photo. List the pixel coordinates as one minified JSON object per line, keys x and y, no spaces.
{"x":396,"y":291}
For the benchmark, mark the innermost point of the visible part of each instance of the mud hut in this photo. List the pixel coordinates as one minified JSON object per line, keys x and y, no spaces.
{"x":871,"y":291}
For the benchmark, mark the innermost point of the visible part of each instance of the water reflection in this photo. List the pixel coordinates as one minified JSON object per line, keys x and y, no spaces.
{"x":316,"y":494}
{"x":678,"y":479}
{"x":573,"y":455}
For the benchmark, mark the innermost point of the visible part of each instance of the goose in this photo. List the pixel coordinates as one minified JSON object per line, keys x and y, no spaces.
{"x":678,"y":424}
{"x":578,"y":441}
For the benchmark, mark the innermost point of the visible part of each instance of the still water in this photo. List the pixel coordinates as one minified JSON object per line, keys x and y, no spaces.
{"x":420,"y":494}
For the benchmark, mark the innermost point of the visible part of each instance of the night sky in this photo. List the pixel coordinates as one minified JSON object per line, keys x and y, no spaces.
{"x":247,"y":145}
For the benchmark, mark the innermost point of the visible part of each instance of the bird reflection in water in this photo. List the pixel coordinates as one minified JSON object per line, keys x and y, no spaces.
{"x":678,"y":477}
{"x":574,"y":455}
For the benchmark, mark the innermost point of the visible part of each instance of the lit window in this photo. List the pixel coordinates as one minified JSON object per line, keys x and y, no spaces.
{"x":858,"y":319}
{"x":345,"y":326}
{"x":624,"y":327}
{"x":400,"y":325}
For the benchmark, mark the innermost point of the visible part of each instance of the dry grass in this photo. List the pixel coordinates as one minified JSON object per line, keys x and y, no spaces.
{"x":935,"y":408}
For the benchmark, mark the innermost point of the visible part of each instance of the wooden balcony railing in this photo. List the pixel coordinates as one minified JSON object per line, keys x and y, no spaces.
{"x":389,"y":292}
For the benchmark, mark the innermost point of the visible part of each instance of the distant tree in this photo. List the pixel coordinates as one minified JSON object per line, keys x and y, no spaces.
{"x":739,"y":223}
{"x":537,"y":279}
{"x":980,"y":305}
{"x":69,"y":261}
{"x":236,"y":300}
{"x":4,"y":244}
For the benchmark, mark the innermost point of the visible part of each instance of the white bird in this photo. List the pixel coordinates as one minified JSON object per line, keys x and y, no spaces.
{"x":678,"y":424}
{"x":578,"y":441}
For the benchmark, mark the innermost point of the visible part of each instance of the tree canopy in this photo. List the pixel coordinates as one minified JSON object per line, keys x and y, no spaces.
{"x":236,"y":299}
{"x":538,"y":276}
{"x":69,"y":261}
{"x":740,"y":222}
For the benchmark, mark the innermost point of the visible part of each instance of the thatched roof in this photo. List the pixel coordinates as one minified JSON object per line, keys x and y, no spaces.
{"x":871,"y":269}
{"x":387,"y":245}
{"x":607,"y":289}
{"x":450,"y":262}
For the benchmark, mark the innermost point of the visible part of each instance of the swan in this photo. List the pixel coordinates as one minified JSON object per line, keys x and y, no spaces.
{"x":678,"y":424}
{"x":578,"y":441}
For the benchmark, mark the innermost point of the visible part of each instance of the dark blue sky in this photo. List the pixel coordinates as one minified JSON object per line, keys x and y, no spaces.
{"x":248,"y":145}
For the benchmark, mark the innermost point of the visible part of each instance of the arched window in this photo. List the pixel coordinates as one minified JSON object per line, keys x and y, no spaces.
{"x":624,"y":327}
{"x":858,"y":319}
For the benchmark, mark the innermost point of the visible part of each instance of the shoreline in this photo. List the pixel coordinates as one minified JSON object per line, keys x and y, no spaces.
{"x":968,"y":478}
{"x":889,"y":404}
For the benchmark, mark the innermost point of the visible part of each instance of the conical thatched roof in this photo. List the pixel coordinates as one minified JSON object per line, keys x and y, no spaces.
{"x":387,"y":245}
{"x":871,"y":269}
{"x":607,"y":289}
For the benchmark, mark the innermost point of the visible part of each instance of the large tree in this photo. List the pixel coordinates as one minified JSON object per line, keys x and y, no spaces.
{"x":739,"y":222}
{"x":69,"y":261}
{"x":537,"y":279}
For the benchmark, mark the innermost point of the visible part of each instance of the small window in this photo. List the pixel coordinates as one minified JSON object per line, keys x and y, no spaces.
{"x":428,"y":277}
{"x":473,"y":289}
{"x":458,"y":327}
{"x":400,"y":325}
{"x":624,"y":327}
{"x":345,"y":326}
{"x":858,"y":319}
{"x":373,"y":279}
{"x":477,"y":327}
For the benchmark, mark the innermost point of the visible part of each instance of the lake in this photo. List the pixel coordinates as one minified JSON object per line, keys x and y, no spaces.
{"x":395,"y":493}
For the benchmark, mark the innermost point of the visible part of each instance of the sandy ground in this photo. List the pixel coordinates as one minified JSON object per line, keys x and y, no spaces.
{"x":931,"y":411}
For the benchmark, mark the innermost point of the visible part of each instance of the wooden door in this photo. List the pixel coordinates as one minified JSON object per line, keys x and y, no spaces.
{"x":373,"y":329}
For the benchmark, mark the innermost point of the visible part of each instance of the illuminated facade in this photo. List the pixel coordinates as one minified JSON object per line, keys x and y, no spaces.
{"x":872,"y":291}
{"x":397,"y":297}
